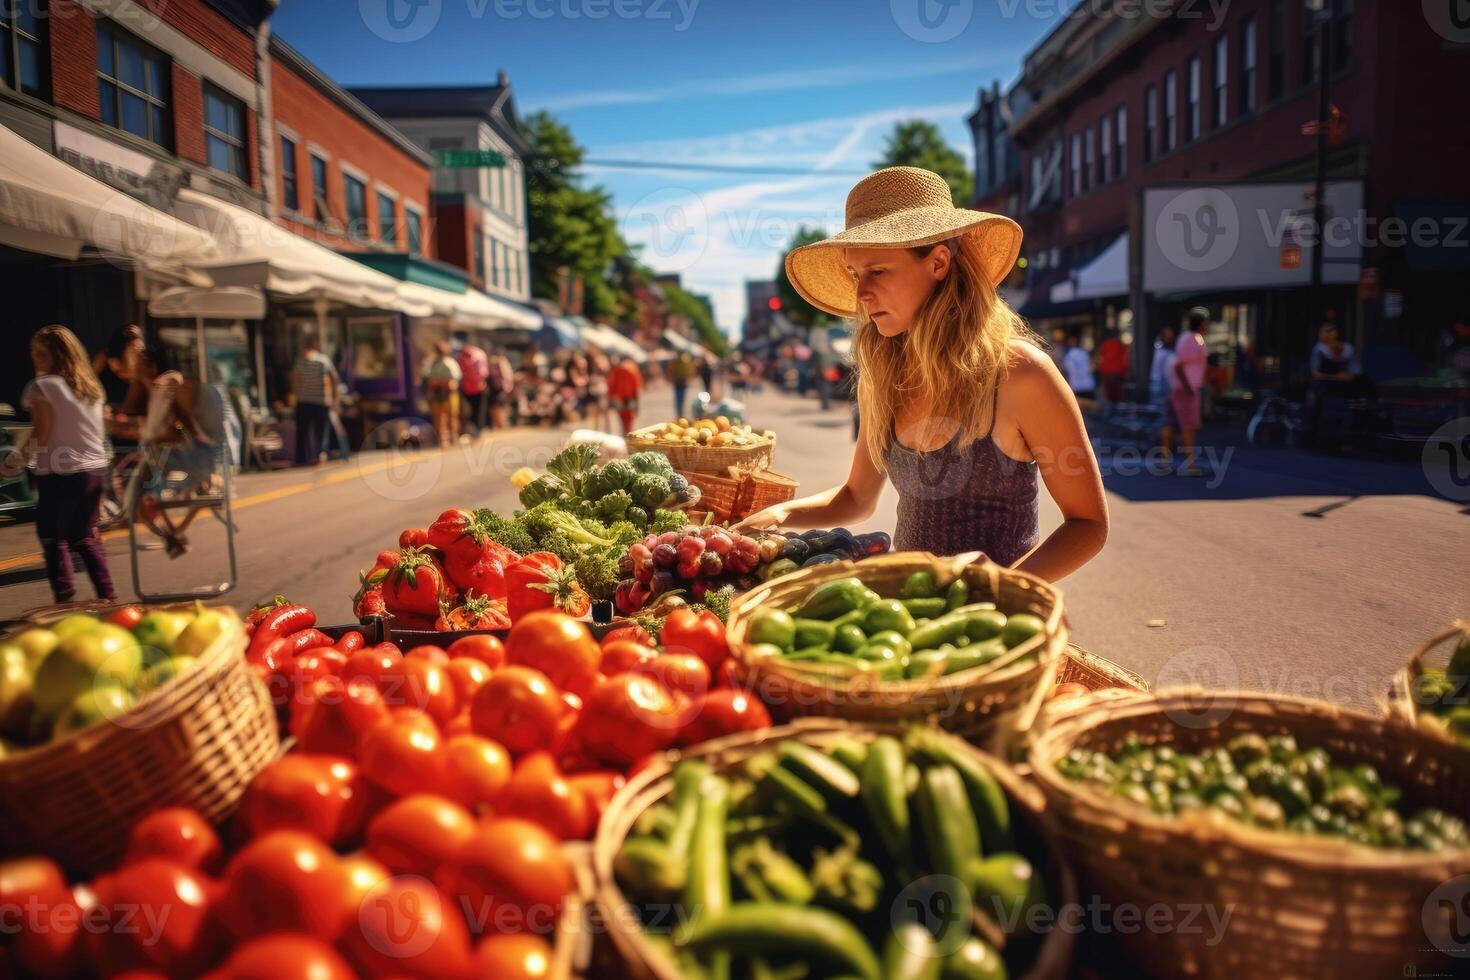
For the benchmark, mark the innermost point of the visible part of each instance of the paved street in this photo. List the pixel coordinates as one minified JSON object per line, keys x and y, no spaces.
{"x":1286,"y":572}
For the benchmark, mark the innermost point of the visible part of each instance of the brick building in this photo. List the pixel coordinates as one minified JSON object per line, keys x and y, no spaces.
{"x":1118,"y":118}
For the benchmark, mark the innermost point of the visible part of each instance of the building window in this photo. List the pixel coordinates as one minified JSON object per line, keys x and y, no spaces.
{"x":291,"y":195}
{"x":224,"y":132}
{"x":20,"y":33}
{"x":1248,"y":66}
{"x":1220,"y":108}
{"x":1105,"y":145}
{"x":1150,"y":121}
{"x":1076,"y":164}
{"x":357,"y":222}
{"x":1276,"y":62}
{"x":1120,"y":141}
{"x":1171,"y":102}
{"x":1191,"y":109}
{"x":132,"y":83}
{"x":415,"y":222}
{"x":1089,"y":161}
{"x":479,"y":255}
{"x":1340,"y":15}
{"x":495,"y":262}
{"x":319,"y":201}
{"x":387,"y":219}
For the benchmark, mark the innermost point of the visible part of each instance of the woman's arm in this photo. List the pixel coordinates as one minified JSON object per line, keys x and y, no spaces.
{"x":41,"y":418}
{"x":1052,"y":426}
{"x":849,"y":503}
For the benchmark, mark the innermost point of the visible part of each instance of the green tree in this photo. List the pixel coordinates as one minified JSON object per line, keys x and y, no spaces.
{"x":701,"y":319}
{"x":796,"y":309}
{"x":570,"y":225}
{"x":918,"y":143}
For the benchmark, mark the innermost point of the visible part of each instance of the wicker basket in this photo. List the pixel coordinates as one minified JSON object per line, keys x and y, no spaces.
{"x":572,"y":951}
{"x":705,"y":459}
{"x":1400,"y":703}
{"x":196,"y":742}
{"x":767,"y":488}
{"x":1097,"y":673}
{"x":1053,"y":957}
{"x":976,"y":702}
{"x":719,"y":495}
{"x":1298,"y":906}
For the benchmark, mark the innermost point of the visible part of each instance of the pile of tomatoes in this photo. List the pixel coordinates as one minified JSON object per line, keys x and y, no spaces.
{"x":416,"y":827}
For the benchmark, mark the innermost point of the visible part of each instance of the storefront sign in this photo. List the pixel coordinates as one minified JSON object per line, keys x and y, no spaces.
{"x":469,"y":159}
{"x":147,"y":178}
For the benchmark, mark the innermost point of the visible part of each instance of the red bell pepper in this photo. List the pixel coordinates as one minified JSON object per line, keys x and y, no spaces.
{"x":415,"y":585}
{"x":471,"y":559}
{"x":540,"y":581}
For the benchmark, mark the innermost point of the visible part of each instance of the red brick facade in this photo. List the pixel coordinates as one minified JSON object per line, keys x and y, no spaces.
{"x":74,"y":58}
{"x":188,"y":106}
{"x":209,"y":29}
{"x":303,"y":108}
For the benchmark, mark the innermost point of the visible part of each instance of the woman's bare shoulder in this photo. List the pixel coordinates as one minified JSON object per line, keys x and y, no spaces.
{"x":1030,"y":366}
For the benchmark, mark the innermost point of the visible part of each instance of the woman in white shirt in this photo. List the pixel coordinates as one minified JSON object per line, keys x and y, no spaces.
{"x":70,"y":457}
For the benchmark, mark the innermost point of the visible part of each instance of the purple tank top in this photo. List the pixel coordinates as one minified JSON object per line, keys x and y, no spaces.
{"x":964,"y":498}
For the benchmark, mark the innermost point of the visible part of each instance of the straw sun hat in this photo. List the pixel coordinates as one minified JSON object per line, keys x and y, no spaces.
{"x":897,"y":207}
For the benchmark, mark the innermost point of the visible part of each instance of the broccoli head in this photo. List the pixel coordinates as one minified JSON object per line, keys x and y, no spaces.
{"x":575,"y":467}
{"x":597,"y":570}
{"x":718,"y":601}
{"x":650,"y":490}
{"x":614,"y":506}
{"x":545,"y":519}
{"x":560,"y":544}
{"x":651,"y":461}
{"x":617,"y":475}
{"x":542,"y":489}
{"x":504,"y":532}
{"x":668,"y":520}
{"x":624,"y":533}
{"x":637,"y":515}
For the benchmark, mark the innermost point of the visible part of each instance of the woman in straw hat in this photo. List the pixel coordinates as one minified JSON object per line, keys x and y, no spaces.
{"x":959,"y":406}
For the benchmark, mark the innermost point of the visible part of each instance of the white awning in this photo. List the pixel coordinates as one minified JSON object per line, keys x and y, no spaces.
{"x":1106,"y":275}
{"x":609,"y":341}
{"x":487,"y":312}
{"x":50,"y":207}
{"x":217,"y":303}
{"x":1063,"y":292}
{"x":255,"y":251}
{"x":684,"y":344}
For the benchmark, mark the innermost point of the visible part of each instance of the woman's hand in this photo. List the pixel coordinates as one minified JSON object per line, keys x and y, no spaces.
{"x":761,"y":520}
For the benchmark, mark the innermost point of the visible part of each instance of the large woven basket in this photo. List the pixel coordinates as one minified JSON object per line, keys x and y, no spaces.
{"x":705,"y":459}
{"x":1053,"y":958}
{"x":1297,"y":906}
{"x":195,"y":742}
{"x":1401,"y":703}
{"x":976,"y":702}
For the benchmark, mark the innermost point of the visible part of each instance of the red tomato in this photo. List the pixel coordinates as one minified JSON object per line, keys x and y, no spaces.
{"x":47,"y":937}
{"x":155,"y":915}
{"x":635,"y":633}
{"x":700,"y":633}
{"x":466,"y":674}
{"x":416,"y":834}
{"x":286,"y":880}
{"x":513,"y":877}
{"x":515,"y":956}
{"x":724,"y":711}
{"x":621,"y":656}
{"x":363,"y":873}
{"x":558,"y":646}
{"x":481,"y":646}
{"x":517,"y":707}
{"x":285,"y":956}
{"x":429,"y":652}
{"x":407,"y":928}
{"x":679,"y":673}
{"x":403,"y":753}
{"x":177,"y":833}
{"x":460,"y":724}
{"x":539,"y":792}
{"x":127,"y":616}
{"x":729,"y":673}
{"x":626,"y":717}
{"x":336,"y":715}
{"x":371,"y":663}
{"x":320,"y":794}
{"x":418,"y":683}
{"x":599,"y":789}
{"x":477,"y":770}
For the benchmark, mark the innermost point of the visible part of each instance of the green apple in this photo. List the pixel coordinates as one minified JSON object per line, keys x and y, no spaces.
{"x":15,"y":690}
{"x":74,"y":624}
{"x":36,"y":643}
{"x":164,"y":671}
{"x":201,"y":633}
{"x":103,"y":655}
{"x":91,"y":707}
{"x":157,"y":631}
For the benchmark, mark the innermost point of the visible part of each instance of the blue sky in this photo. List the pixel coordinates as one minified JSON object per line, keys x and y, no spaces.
{"x":813,"y":85}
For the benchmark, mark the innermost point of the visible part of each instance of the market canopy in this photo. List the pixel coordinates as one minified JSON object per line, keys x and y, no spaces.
{"x":213,"y":303}
{"x":470,"y":309}
{"x":557,"y":331}
{"x":609,"y":341}
{"x":50,"y":207}
{"x":255,"y":251}
{"x":683,"y":344}
{"x":1104,"y":277}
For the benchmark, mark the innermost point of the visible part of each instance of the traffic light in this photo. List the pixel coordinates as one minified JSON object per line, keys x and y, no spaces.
{"x":774,"y":303}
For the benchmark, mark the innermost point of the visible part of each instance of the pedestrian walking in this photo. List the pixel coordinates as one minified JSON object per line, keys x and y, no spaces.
{"x":70,"y":457}
{"x":315,"y":386}
{"x":680,"y":372}
{"x":501,"y":389}
{"x":1112,"y":367}
{"x":624,"y":384}
{"x":1077,"y":366}
{"x":441,"y":377}
{"x":1187,"y":378}
{"x":597,"y":396}
{"x":474,"y":366}
{"x":1160,"y":387}
{"x":960,"y":406}
{"x":707,"y":375}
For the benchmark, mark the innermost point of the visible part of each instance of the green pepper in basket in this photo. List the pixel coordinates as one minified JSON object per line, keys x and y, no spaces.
{"x":804,"y":932}
{"x":813,"y":632}
{"x":831,"y":599}
{"x":847,"y":638}
{"x":891,"y":638}
{"x":888,"y":614}
{"x":910,"y":954}
{"x":769,"y":875}
{"x":845,"y":881}
{"x":956,"y":594}
{"x":1020,"y":628}
{"x":975,"y":960}
{"x":924,"y":608}
{"x":919,"y":585}
{"x":776,"y":627}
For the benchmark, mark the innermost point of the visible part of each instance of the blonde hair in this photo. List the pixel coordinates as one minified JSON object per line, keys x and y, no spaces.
{"x":955,"y":353}
{"x":69,"y":361}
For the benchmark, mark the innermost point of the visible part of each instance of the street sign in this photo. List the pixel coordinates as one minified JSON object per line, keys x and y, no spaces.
{"x":469,"y":159}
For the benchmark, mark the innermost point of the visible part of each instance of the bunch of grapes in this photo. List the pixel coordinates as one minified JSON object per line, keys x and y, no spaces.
{"x":696,"y":559}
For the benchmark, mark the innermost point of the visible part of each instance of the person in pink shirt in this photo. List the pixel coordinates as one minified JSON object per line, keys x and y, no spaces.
{"x":1187,"y":380}
{"x":474,"y":364}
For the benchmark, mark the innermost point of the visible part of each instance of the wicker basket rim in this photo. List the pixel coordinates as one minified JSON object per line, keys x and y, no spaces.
{"x":1199,"y":831}
{"x":184,"y":692}
{"x":1400,"y":701}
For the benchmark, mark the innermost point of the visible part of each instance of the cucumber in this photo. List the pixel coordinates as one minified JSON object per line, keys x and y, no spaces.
{"x":801,"y":932}
{"x":707,"y":892}
{"x":885,"y":797}
{"x":952,"y":843}
{"x":820,"y":770}
{"x":910,"y":954}
{"x":987,"y":800}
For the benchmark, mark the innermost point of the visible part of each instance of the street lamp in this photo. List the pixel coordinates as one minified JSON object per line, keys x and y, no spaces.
{"x":1321,"y":11}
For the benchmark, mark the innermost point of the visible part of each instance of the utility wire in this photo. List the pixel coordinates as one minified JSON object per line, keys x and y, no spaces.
{"x":714,"y":168}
